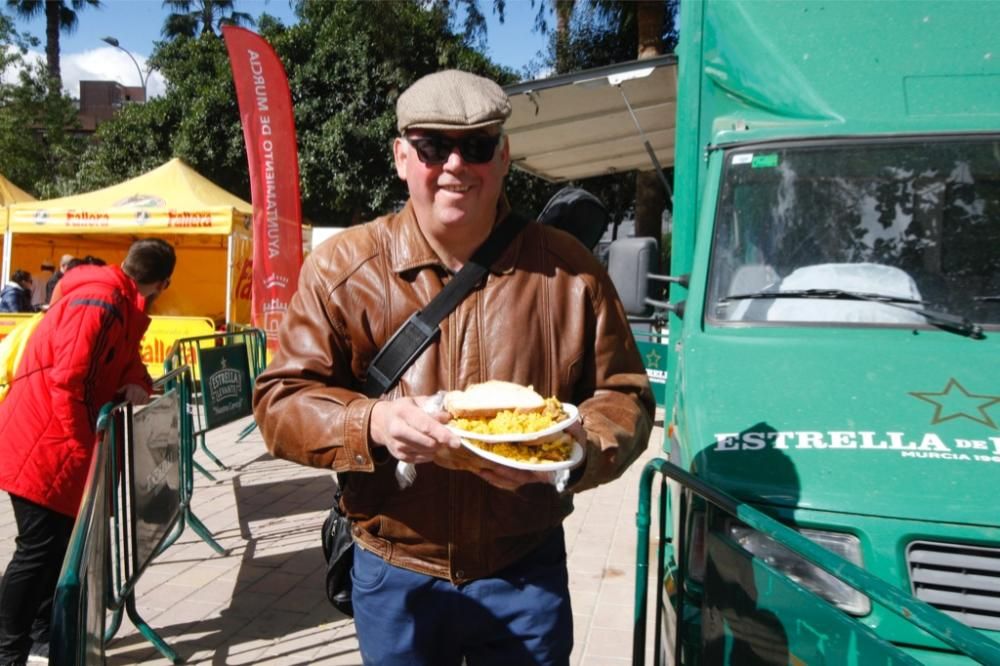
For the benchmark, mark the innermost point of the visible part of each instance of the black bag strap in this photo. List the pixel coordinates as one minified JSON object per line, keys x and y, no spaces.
{"x":410,"y":340}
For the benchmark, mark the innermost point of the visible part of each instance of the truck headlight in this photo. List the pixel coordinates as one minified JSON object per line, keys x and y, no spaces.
{"x":804,"y":572}
{"x":696,"y":547}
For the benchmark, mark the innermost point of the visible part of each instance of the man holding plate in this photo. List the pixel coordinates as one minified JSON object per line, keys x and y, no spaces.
{"x":468,"y":560}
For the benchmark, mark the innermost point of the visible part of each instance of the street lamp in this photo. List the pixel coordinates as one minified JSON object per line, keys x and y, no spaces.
{"x":142,"y":79}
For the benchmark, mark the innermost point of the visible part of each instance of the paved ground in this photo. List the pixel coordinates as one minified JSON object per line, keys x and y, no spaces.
{"x":263,"y":602}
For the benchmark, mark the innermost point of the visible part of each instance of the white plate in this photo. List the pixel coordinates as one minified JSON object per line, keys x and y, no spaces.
{"x":572,"y":416}
{"x":575,"y":456}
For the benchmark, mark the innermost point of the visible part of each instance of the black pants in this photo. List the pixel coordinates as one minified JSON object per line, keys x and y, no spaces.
{"x":29,"y":583}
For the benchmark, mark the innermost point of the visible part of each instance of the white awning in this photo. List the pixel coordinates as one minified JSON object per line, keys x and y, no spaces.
{"x":584,"y":124}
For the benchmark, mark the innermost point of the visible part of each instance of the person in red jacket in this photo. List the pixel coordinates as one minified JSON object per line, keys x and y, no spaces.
{"x":84,"y":353}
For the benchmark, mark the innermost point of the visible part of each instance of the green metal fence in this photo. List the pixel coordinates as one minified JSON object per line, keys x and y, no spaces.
{"x":183,"y":379}
{"x":224,"y":368}
{"x":133,"y":502}
{"x":78,"y":617}
{"x":847,"y":640}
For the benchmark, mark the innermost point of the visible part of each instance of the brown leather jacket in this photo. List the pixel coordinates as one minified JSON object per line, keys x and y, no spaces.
{"x":547,"y":316}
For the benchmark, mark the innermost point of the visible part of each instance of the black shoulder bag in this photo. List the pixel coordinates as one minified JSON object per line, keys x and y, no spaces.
{"x":405,"y":345}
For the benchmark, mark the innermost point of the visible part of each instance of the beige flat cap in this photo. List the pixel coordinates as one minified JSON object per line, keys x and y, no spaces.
{"x":451,"y":99}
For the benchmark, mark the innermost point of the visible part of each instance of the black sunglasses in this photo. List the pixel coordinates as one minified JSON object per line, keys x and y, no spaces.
{"x":435,"y":149}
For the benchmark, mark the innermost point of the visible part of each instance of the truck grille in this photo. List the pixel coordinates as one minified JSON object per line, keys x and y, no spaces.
{"x":960,"y":580}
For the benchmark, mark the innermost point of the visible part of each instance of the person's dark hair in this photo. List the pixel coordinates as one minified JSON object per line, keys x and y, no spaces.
{"x":150,"y":260}
{"x":91,"y":260}
{"x":71,"y":264}
{"x":20,"y":276}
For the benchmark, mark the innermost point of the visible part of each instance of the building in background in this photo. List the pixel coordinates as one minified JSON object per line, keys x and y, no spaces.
{"x":101,"y":100}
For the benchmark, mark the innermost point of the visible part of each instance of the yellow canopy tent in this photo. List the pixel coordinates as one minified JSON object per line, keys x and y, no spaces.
{"x":209,"y":227}
{"x":9,"y":194}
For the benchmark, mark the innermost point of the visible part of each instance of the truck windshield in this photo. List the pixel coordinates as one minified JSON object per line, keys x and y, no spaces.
{"x":914,"y":222}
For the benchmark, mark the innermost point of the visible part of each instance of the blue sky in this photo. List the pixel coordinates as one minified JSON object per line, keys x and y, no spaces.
{"x":136,"y":24}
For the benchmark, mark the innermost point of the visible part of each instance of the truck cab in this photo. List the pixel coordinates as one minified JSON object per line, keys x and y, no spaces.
{"x":833,"y":365}
{"x":836,"y":364}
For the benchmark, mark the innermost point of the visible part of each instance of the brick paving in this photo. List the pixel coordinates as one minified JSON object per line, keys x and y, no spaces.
{"x":263,"y":602}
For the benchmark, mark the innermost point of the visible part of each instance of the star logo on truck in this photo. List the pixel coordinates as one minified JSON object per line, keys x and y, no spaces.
{"x":653,"y":359}
{"x":954,"y":402}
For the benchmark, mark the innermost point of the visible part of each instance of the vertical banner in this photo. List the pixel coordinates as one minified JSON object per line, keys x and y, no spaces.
{"x":269,"y":133}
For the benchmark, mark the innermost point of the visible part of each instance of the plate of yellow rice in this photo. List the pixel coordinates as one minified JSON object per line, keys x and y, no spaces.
{"x":561,"y":453}
{"x":510,"y":426}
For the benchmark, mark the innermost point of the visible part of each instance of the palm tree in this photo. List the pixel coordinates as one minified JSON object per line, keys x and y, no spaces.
{"x":60,"y":15}
{"x":650,"y":198}
{"x":190,"y":18}
{"x":649,"y":21}
{"x":645,"y":19}
{"x":564,"y":12}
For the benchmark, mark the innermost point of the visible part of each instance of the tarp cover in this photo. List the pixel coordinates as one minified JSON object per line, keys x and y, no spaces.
{"x":208,"y":227}
{"x":578,"y":125}
{"x":11,"y":193}
{"x":171,"y":199}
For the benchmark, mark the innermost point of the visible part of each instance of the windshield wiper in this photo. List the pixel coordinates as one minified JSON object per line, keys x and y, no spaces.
{"x":950,"y":322}
{"x":994,"y":298}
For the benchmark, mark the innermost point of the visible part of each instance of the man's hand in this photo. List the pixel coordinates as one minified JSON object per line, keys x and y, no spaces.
{"x":511,"y":479}
{"x":577,"y":432}
{"x":135,"y":394}
{"x":411,"y":434}
{"x":500,"y":476}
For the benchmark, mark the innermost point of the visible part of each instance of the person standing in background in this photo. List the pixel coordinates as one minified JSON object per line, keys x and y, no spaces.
{"x":54,"y":280}
{"x":16,"y":295}
{"x":84,"y":353}
{"x":39,"y":285}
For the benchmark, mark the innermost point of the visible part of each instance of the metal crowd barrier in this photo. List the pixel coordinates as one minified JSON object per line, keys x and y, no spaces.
{"x":862,"y":639}
{"x":183,"y":379}
{"x":224,"y":367}
{"x":133,"y":502}
{"x":78,"y":617}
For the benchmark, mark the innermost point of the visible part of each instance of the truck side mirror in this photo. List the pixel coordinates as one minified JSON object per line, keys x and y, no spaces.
{"x":630,"y":261}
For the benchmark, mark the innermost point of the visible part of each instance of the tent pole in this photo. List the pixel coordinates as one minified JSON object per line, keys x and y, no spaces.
{"x":8,"y":238}
{"x":229,"y":279}
{"x":648,"y":146}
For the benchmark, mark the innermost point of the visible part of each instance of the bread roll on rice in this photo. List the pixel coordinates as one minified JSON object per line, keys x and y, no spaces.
{"x":503,"y":408}
{"x":489,"y":398}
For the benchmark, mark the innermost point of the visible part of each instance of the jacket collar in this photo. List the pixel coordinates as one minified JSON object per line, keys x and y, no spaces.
{"x":110,"y":275}
{"x":410,"y":249}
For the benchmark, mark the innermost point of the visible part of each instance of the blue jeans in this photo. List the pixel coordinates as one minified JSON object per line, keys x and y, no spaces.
{"x":520,"y":615}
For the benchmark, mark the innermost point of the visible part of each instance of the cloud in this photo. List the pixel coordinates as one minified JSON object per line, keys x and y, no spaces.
{"x":108,"y":64}
{"x":101,"y":64}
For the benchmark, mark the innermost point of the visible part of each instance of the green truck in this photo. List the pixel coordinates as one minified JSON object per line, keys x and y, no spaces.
{"x":831,"y":377}
{"x":834,"y":327}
